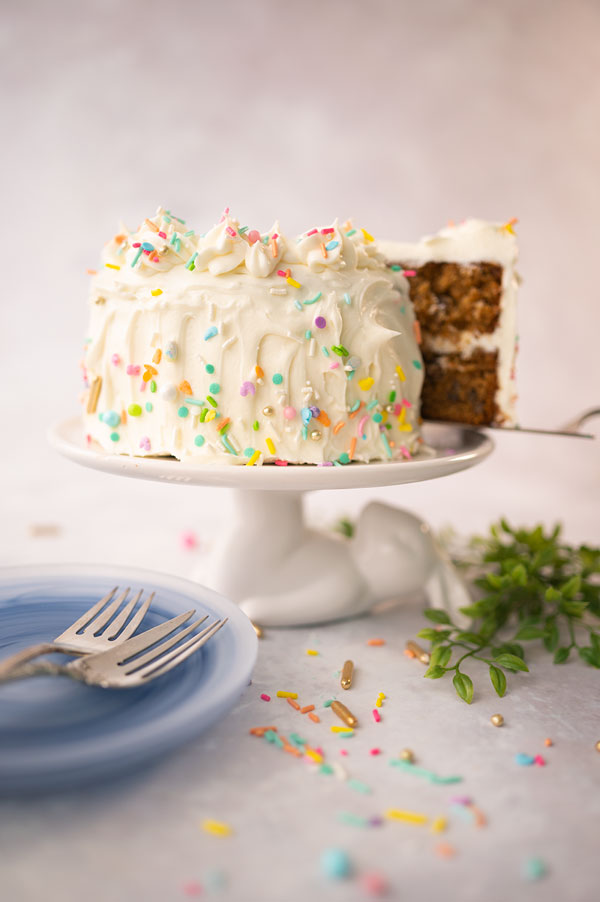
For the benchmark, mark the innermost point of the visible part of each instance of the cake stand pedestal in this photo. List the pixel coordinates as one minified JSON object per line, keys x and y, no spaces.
{"x":281,"y":572}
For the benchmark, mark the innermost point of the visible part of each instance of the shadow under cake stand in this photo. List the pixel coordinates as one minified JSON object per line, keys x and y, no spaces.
{"x":281,"y":572}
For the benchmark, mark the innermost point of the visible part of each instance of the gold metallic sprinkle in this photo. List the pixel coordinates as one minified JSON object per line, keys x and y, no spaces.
{"x":418,"y":652}
{"x":268,"y":411}
{"x":344,"y":714}
{"x":497,"y":720}
{"x":94,"y":395}
{"x":315,"y":435}
{"x":258,"y":630}
{"x":407,"y":755}
{"x":347,"y":674}
{"x":597,"y":746}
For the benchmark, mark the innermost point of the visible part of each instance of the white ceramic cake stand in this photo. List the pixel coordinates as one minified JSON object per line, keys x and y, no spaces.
{"x":284,"y":574}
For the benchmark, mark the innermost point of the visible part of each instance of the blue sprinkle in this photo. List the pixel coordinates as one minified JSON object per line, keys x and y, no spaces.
{"x":534,"y":869}
{"x":199,"y":440}
{"x":248,"y":452}
{"x":137,"y":257}
{"x":194,"y":401}
{"x":347,"y":298}
{"x":306,"y":414}
{"x":111,"y":418}
{"x":149,"y":407}
{"x":325,"y":351}
{"x":188,"y":234}
{"x":304,"y":432}
{"x":190,"y":264}
{"x":524,"y":760}
{"x":417,"y":364}
{"x":351,"y":232}
{"x":372,"y":404}
{"x":228,"y":445}
{"x":330,"y":246}
{"x":377,"y":418}
{"x":314,"y":300}
{"x":335,"y":864}
{"x":308,"y":334}
{"x":210,"y":333}
{"x":146,"y":246}
{"x":297,"y":305}
{"x":386,"y":444}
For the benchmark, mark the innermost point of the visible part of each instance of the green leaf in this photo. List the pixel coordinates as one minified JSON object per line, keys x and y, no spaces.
{"x":512,"y":662}
{"x":530,"y":632}
{"x":590,"y":656}
{"x":561,"y":655}
{"x":595,"y":640}
{"x":464,"y":687}
{"x":495,"y":581}
{"x":498,"y":680}
{"x":440,"y":636}
{"x":478,"y":608}
{"x":436,"y":615}
{"x":552,"y":594}
{"x":552,"y":636}
{"x":427,"y":633}
{"x":435,"y":672}
{"x":571,"y":587}
{"x":441,"y":655}
{"x":466,"y":636}
{"x":573,"y":608}
{"x":519,"y":575}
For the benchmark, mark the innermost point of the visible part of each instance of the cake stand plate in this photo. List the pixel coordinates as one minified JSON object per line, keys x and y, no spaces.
{"x":281,"y":572}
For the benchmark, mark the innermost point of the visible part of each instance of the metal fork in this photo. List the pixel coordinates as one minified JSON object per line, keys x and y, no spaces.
{"x":90,"y":632}
{"x":137,"y":660}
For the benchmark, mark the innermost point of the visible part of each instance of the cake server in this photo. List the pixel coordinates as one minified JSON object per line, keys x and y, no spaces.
{"x":94,"y":631}
{"x":569,"y":429}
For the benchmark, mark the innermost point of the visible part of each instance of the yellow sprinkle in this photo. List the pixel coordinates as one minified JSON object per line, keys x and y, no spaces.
{"x":293,"y":282}
{"x":253,"y":459}
{"x":439,"y":825}
{"x":411,"y":817}
{"x":400,"y":373}
{"x":384,"y":416}
{"x":378,"y":702}
{"x":157,"y":356}
{"x":405,"y":427}
{"x":381,"y":695}
{"x":155,"y":293}
{"x":365,"y":384}
{"x":311,"y":651}
{"x":335,"y":729}
{"x":282,"y":694}
{"x":210,"y":416}
{"x":112,"y":266}
{"x":270,"y":445}
{"x":368,"y":237}
{"x":312,"y":754}
{"x":216,"y":828}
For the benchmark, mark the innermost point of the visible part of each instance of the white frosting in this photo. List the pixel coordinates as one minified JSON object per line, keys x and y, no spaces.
{"x":475,"y":241}
{"x":255,"y":344}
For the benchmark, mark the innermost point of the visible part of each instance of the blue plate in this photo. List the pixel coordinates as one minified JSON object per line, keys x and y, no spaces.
{"x":56,"y":733}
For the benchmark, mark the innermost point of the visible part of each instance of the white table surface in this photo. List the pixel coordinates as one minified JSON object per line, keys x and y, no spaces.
{"x":143,"y":838}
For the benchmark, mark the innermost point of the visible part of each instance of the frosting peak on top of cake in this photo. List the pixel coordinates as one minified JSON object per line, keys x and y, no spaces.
{"x":464,"y":242}
{"x":164,"y":242}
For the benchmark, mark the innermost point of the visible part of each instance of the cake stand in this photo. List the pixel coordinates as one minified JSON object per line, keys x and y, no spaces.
{"x":283,"y":573}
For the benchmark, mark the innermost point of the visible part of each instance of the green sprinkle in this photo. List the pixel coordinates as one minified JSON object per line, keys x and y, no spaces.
{"x":354,"y":820}
{"x":429,"y":775}
{"x":392,"y":397}
{"x":304,"y":433}
{"x":297,"y":305}
{"x":277,"y":378}
{"x":256,"y":425}
{"x":340,"y":350}
{"x":327,"y":704}
{"x":347,"y":298}
{"x":114,"y":436}
{"x":152,"y":386}
{"x":209,"y":368}
{"x":176,"y":242}
{"x":149,"y":407}
{"x":350,"y":375}
{"x":395,"y":267}
{"x":137,"y":257}
{"x":203,"y":413}
{"x":355,"y":406}
{"x":183,"y":412}
{"x":199,"y":440}
{"x":350,"y":233}
{"x":344,"y":458}
{"x":417,"y":364}
{"x":242,"y":230}
{"x":214,"y":387}
{"x":377,"y":418}
{"x":325,"y":351}
{"x":534,"y":869}
{"x":359,"y":786}
{"x":372,"y":404}
{"x":190,"y":264}
{"x":314,"y":300}
{"x":265,"y":240}
{"x":211,"y":401}
{"x":402,"y":309}
{"x":189,"y":234}
{"x":308,"y":334}
{"x":326,"y":769}
{"x":336,"y":463}
{"x":228,"y":445}
{"x":386,"y":444}
{"x":194,"y":401}
{"x":298,"y":740}
{"x":134,"y":410}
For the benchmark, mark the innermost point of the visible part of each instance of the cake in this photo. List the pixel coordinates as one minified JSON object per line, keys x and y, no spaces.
{"x":463,"y":286}
{"x":235,"y":347}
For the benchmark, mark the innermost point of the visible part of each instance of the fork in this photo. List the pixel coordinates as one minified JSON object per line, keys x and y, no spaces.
{"x":84,"y":636}
{"x":134,"y":662}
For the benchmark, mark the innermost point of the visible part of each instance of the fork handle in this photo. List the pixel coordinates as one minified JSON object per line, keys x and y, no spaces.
{"x":28,"y":654}
{"x":38,"y":668}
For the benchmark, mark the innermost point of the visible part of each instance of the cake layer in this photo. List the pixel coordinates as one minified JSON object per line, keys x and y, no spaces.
{"x":234,"y":347}
{"x":461,"y":389}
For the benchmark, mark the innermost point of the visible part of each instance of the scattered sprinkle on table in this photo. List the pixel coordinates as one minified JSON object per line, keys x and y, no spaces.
{"x":410,"y":767}
{"x":282,"y":694}
{"x":311,"y":651}
{"x":445,"y":850}
{"x":335,"y":864}
{"x":265,"y":697}
{"x":376,"y":642}
{"x":374,"y":884}
{"x":216,"y":828}
{"x":524,"y":760}
{"x":410,"y":817}
{"x":534,"y":869}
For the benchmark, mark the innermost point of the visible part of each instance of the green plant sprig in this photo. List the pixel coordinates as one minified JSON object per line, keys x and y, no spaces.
{"x":535,"y":587}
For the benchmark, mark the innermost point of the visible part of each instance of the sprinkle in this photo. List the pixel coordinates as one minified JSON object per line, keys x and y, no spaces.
{"x":92,"y":402}
{"x":137,"y":257}
{"x":335,"y":864}
{"x":417,"y":365}
{"x":347,"y":674}
{"x":359,"y":786}
{"x":294,"y":704}
{"x":265,"y":697}
{"x":297,"y":304}
{"x":418,"y":652}
{"x":534,"y":869}
{"x":375,"y":752}
{"x":210,"y":333}
{"x":134,"y":410}
{"x":314,"y":300}
{"x":320,"y":322}
{"x":540,"y":761}
{"x":270,"y":445}
{"x":114,"y":436}
{"x":366,"y":384}
{"x":199,"y":440}
{"x":386,"y":444}
{"x":410,"y":817}
{"x":400,"y":373}
{"x":376,"y":715}
{"x":548,"y":743}
{"x":311,"y":651}
{"x":225,"y":441}
{"x":325,"y":351}
{"x":190,"y":263}
{"x":156,"y":292}
{"x":328,"y":231}
{"x":293,"y":282}
{"x":331,"y":245}
{"x":256,"y":425}
{"x":352,"y":447}
{"x":344,"y":714}
{"x":183,"y":412}
{"x":340,"y":350}
{"x":253,"y":459}
{"x":247,"y":388}
{"x":353,"y":820}
{"x":324,"y":250}
{"x":361,"y":424}
{"x":508,"y":226}
{"x":282,"y":694}
{"x":133,"y":370}
{"x":350,"y":233}
{"x":336,"y":729}
{"x":429,"y":775}
{"x":211,"y":401}
{"x":277,"y":378}
{"x":409,"y":272}
{"x":367,"y":235}
{"x":438,"y":825}
{"x":338,"y":426}
{"x":315,"y":718}
{"x":347,"y":298}
{"x":376,"y":642}
{"x":112,"y":266}
{"x":524,"y":760}
{"x":313,"y":755}
{"x":445,"y":850}
{"x":327,"y":704}
{"x":216,"y":828}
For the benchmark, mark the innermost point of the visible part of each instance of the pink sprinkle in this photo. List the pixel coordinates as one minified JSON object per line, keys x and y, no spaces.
{"x":133,"y":370}
{"x":265,"y":697}
{"x":409,"y":272}
{"x":281,"y":463}
{"x":312,"y":232}
{"x":376,"y":715}
{"x":319,"y":751}
{"x":344,"y":752}
{"x":116,"y":359}
{"x":192,"y":889}
{"x":230,"y":231}
{"x":334,"y":366}
{"x":162,"y":234}
{"x":405,"y":452}
{"x":375,"y":752}
{"x":188,"y":539}
{"x":275,"y":236}
{"x":325,"y":463}
{"x":145,"y":443}
{"x":361,"y":423}
{"x":247,"y":388}
{"x":137,"y":244}
{"x":460,"y":800}
{"x":289,"y":413}
{"x":541,"y":762}
{"x":407,"y":403}
{"x":327,"y":231}
{"x":143,"y":386}
{"x":253,"y":236}
{"x":374,"y":884}
{"x":282,"y":273}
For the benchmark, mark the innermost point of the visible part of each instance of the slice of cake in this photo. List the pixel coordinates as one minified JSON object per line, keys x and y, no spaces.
{"x":246,"y":348}
{"x":463,"y":285}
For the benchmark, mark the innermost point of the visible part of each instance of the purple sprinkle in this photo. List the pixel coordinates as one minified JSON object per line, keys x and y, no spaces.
{"x":320,"y":322}
{"x":460,"y":800}
{"x":325,"y":463}
{"x":375,"y":821}
{"x":247,"y":388}
{"x":315,"y":412}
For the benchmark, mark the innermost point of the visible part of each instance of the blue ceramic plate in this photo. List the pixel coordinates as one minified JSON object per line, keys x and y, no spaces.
{"x":56,"y":733}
